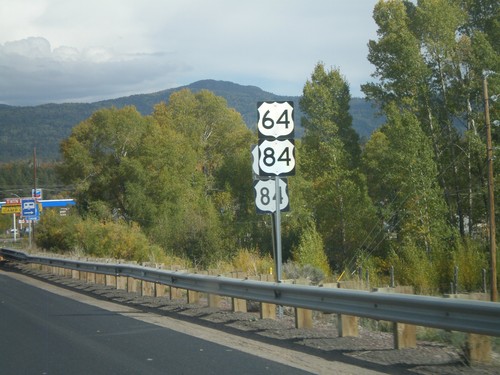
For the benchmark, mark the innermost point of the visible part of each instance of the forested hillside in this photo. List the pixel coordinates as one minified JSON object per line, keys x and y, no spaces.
{"x":45,"y":126}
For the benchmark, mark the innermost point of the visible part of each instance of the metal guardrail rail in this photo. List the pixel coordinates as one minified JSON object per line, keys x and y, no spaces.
{"x":450,"y":314}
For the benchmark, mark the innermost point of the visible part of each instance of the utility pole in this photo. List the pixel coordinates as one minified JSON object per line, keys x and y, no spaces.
{"x":491,"y":192}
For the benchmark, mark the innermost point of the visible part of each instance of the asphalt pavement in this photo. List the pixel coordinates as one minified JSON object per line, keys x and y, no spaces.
{"x":46,"y":333}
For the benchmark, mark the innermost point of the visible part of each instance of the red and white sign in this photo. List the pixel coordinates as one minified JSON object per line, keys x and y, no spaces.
{"x":12,"y":201}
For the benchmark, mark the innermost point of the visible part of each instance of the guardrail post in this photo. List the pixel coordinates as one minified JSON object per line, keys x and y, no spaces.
{"x":100,"y":279}
{"x":110,"y":280}
{"x":478,"y":347}
{"x":148,"y":288}
{"x":122,"y":282}
{"x":36,"y":266}
{"x":175,"y":293}
{"x":267,"y":310}
{"x":68,"y":272}
{"x":238,"y":304}
{"x":213,"y":300}
{"x":405,"y":335}
{"x":303,"y":318}
{"x":134,"y":285}
{"x":160,"y":290}
{"x":193,"y":296}
{"x":348,"y":324}
{"x":91,"y":277}
{"x":83,"y":276}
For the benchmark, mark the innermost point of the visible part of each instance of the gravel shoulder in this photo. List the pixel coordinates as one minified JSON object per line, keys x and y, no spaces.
{"x":371,"y":350}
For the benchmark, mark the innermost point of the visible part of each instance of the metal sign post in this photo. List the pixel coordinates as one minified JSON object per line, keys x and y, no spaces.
{"x":277,"y":214}
{"x":274,"y":157}
{"x":14,"y":226}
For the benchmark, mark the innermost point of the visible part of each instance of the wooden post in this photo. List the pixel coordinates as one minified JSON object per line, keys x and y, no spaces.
{"x":110,"y":280}
{"x":100,"y":279}
{"x":161,"y":290}
{"x":478,"y":347}
{"x":132,"y":285}
{"x":267,"y":310}
{"x":214,"y":300}
{"x":193,"y":296}
{"x":122,"y":282}
{"x":347,"y":324}
{"x":148,"y":289}
{"x":404,"y":335}
{"x":91,"y":277}
{"x":303,"y":318}
{"x":175,"y":293}
{"x":491,"y":193}
{"x":239,"y":305}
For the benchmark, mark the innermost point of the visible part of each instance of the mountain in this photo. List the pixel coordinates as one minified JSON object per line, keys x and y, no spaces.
{"x":44,"y":126}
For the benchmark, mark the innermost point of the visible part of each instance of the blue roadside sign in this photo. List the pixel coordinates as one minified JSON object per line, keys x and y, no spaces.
{"x":29,"y":209}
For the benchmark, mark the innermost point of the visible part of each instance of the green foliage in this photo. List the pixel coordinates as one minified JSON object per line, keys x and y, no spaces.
{"x":251,"y":262}
{"x":413,"y":267}
{"x":470,"y":258}
{"x":311,"y":251}
{"x":336,"y":191}
{"x":93,"y":237}
{"x":171,"y":173}
{"x":57,"y":233}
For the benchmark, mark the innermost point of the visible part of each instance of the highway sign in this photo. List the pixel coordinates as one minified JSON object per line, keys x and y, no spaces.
{"x":275,"y":120}
{"x":265,"y":196}
{"x":277,"y":157}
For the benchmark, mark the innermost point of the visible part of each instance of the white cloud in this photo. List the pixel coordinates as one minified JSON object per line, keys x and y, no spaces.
{"x":119,"y":47}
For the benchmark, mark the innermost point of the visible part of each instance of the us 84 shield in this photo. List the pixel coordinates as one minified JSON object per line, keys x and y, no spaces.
{"x":277,"y":157}
{"x":265,"y":196}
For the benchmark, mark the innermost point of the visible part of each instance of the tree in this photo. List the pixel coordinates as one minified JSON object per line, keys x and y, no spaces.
{"x":330,"y":153}
{"x":220,"y":178}
{"x":95,"y":153}
{"x":400,"y":166}
{"x":429,"y":59}
{"x":183,"y":173}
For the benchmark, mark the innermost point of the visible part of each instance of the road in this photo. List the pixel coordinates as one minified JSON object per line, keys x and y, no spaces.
{"x":47,"y":333}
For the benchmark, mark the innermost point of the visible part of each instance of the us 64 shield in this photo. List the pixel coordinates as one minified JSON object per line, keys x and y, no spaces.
{"x":275,"y":119}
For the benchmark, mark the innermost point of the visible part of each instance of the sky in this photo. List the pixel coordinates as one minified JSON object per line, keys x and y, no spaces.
{"x":58,"y":51}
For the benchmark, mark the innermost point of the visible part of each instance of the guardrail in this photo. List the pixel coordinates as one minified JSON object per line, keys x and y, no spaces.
{"x":450,"y":314}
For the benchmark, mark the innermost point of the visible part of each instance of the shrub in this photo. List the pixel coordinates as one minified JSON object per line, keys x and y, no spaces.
{"x":470,"y":258}
{"x":310,"y":251}
{"x":55,"y":232}
{"x":251,"y":262}
{"x":293,"y":270}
